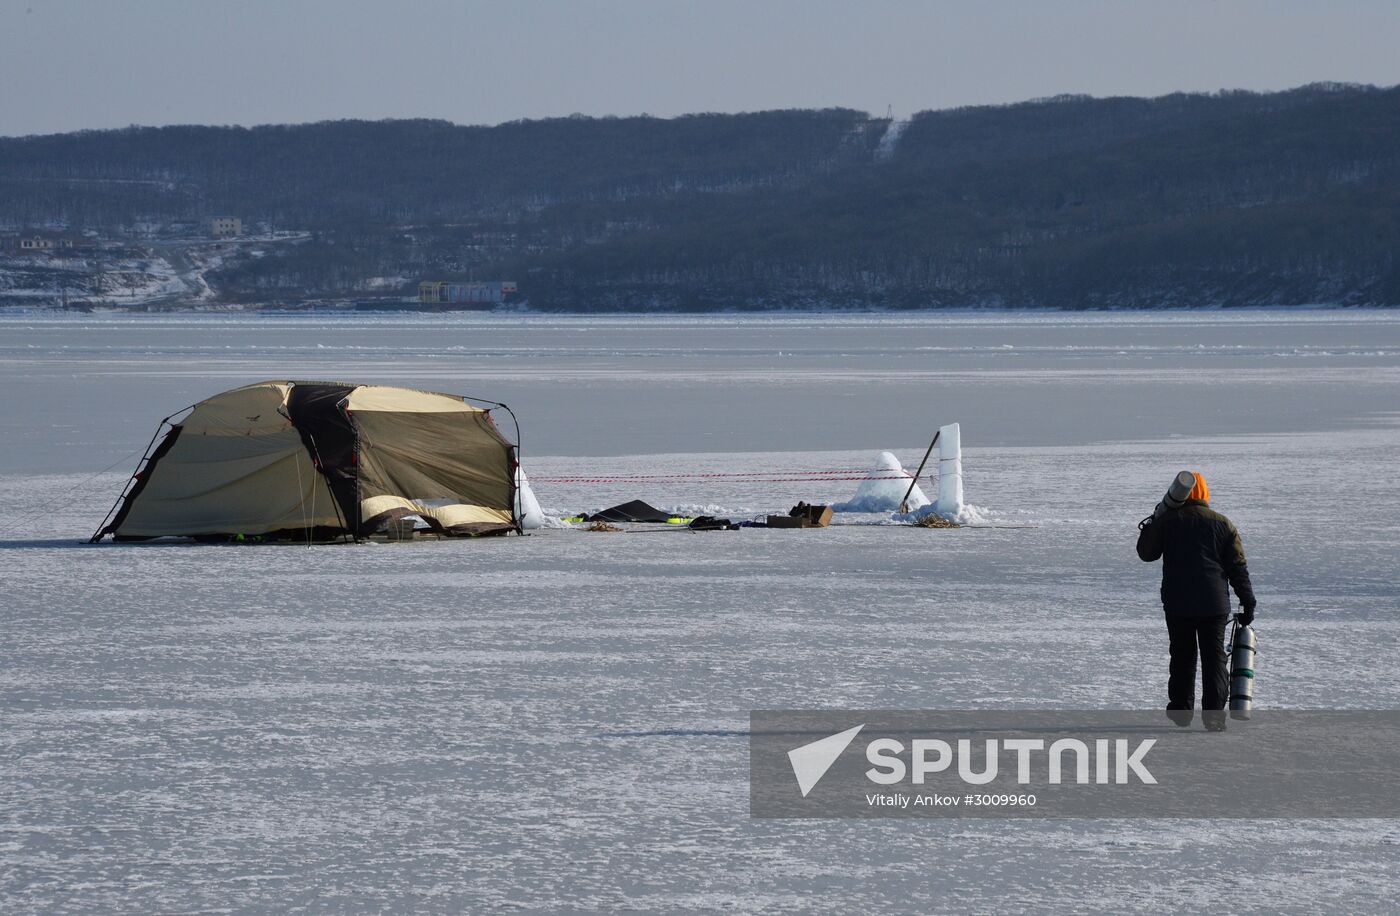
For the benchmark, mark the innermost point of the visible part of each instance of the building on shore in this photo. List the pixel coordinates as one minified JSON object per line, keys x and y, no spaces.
{"x":225,"y":227}
{"x":40,"y":242}
{"x":439,"y":292}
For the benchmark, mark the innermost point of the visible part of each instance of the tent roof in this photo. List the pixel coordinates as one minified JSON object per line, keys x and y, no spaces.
{"x":363,"y":397}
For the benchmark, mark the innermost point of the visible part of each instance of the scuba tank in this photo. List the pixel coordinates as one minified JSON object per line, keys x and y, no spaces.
{"x":1243,"y":645}
{"x":1181,"y":488}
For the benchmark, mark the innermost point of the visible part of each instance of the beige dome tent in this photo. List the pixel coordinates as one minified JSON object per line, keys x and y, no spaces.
{"x":319,"y":461}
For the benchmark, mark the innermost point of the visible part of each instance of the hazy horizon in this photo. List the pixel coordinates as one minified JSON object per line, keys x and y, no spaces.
{"x":68,"y":65}
{"x":682,"y":114}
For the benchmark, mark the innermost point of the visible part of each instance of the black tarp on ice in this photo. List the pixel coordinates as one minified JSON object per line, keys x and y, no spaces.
{"x":634,"y":511}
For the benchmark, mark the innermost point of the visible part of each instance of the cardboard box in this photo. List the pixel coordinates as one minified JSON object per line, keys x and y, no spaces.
{"x":802,"y":516}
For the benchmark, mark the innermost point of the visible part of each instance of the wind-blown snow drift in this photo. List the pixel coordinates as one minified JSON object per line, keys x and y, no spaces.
{"x":884,"y":491}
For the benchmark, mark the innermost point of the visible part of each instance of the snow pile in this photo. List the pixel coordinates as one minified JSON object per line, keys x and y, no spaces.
{"x":555,"y":521}
{"x":949,"y":504}
{"x":887,"y":483}
{"x":966,"y":514}
{"x":883,"y":489}
{"x":527,"y":507}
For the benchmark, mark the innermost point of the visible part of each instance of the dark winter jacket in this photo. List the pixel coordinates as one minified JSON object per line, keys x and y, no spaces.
{"x":1201,"y":552}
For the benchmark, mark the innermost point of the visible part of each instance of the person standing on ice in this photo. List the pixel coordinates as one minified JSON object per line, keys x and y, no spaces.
{"x":1201,"y":558}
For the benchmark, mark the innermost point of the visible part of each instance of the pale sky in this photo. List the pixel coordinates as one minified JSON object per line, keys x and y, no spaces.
{"x":74,"y":64}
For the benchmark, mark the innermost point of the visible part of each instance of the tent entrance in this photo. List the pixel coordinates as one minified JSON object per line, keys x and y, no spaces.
{"x":317,"y":413}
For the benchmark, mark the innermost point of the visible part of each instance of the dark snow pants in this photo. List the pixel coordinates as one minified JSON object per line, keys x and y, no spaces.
{"x":1204,"y":636}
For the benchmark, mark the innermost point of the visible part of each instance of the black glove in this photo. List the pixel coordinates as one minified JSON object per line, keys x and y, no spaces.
{"x":1246,"y":615}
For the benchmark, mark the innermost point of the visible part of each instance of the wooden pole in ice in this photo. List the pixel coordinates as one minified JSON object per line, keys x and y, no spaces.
{"x":904,"y":503}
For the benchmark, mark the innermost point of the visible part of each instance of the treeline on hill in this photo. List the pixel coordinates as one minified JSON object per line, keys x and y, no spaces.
{"x":391,"y":173}
{"x":1234,"y":198}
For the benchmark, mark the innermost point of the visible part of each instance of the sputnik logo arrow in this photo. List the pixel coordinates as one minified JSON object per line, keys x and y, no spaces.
{"x":811,"y":761}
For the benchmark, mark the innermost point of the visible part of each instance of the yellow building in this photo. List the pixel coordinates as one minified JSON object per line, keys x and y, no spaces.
{"x":225,"y":227}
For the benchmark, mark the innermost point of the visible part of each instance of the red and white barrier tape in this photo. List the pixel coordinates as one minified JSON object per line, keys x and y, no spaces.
{"x":756,"y":477}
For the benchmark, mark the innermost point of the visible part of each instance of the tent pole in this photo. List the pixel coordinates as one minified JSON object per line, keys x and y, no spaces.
{"x":519,"y":522}
{"x":515,"y":472}
{"x":145,"y":454}
{"x":904,"y":503}
{"x":359,"y":449}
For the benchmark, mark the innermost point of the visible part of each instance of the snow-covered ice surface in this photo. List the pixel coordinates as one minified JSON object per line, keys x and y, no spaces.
{"x":557,"y":722}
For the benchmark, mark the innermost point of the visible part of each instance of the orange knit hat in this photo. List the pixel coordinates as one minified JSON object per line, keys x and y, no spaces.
{"x":1201,"y":490}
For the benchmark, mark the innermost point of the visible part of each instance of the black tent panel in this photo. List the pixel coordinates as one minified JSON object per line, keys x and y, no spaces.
{"x":315,"y":411}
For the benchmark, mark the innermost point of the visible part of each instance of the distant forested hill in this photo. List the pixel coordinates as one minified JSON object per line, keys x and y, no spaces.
{"x":1235,"y":198}
{"x":320,"y":176}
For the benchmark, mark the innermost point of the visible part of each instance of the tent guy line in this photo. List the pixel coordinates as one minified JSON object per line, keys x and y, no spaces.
{"x":742,"y":478}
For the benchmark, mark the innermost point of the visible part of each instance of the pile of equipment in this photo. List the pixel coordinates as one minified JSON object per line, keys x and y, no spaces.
{"x":802,"y":515}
